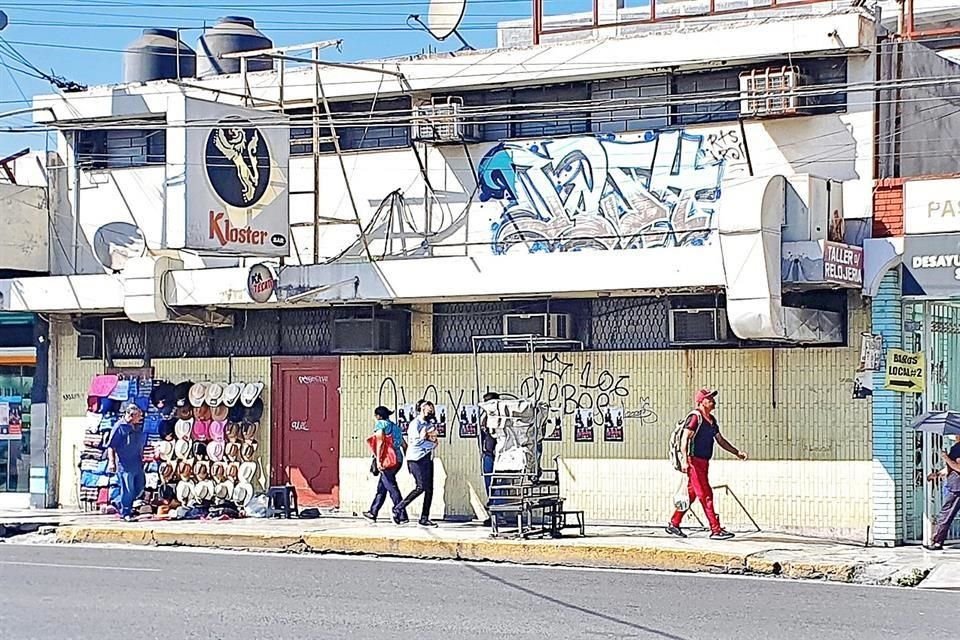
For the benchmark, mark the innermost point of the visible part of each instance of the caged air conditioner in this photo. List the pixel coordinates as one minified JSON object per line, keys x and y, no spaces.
{"x":699,"y":326}
{"x":442,"y":121}
{"x":772,"y":92}
{"x":544,"y":325}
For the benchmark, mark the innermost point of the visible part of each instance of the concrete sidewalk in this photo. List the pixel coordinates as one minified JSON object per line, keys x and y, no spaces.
{"x":604,"y":547}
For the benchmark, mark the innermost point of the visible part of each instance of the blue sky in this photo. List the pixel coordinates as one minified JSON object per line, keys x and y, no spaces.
{"x":83,"y":40}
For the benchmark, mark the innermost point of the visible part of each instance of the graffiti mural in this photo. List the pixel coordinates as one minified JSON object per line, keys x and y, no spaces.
{"x":658,"y":189}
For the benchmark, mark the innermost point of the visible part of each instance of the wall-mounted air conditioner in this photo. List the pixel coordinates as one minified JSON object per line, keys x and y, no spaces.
{"x":699,"y":326}
{"x":558,"y":326}
{"x":442,"y":121}
{"x":772,"y":92}
{"x":368,"y":335}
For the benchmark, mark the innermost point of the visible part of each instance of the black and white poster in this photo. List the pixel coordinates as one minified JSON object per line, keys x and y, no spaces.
{"x":441,"y":420}
{"x":469,"y":421}
{"x":583,"y":425}
{"x":554,"y":427}
{"x":613,"y":424}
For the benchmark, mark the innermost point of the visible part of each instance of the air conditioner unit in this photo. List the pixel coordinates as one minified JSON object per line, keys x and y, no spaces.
{"x":699,"y":326}
{"x":89,"y":347}
{"x":558,"y":326}
{"x":442,"y":121}
{"x":772,"y":92}
{"x":367,"y":335}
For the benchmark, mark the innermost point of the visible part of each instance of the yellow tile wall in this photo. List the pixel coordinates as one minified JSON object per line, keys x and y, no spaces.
{"x":791,"y":409}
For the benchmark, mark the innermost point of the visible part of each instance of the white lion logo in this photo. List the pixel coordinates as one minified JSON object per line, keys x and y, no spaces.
{"x":233,"y":144}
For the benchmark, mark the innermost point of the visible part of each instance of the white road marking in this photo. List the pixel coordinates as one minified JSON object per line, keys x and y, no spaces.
{"x":77,"y":566}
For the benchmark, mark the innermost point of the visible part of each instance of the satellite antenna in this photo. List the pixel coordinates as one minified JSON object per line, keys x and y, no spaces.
{"x":444,"y":19}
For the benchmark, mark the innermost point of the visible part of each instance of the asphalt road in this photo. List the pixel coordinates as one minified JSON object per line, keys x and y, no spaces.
{"x":64,"y":593}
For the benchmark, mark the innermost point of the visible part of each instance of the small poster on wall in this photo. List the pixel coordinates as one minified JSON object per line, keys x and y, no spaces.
{"x":441,"y":420}
{"x":11,"y":420}
{"x":583,"y":425}
{"x":613,"y":424}
{"x":871,"y":360}
{"x":405,"y":415}
{"x":554,"y":428}
{"x":469,"y":421}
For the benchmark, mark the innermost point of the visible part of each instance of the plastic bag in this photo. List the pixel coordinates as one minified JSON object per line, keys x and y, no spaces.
{"x":259,"y":507}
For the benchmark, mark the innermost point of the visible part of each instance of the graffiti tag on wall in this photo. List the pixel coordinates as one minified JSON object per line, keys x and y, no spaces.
{"x":605,"y":192}
{"x":566,"y":388}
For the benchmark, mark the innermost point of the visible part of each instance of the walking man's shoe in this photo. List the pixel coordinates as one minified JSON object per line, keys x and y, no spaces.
{"x":675,"y":531}
{"x":721,"y":535}
{"x":369,"y":516}
{"x":429,"y":524}
{"x":933,"y":547}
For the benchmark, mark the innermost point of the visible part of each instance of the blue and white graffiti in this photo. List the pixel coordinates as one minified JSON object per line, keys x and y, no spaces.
{"x":658,"y":189}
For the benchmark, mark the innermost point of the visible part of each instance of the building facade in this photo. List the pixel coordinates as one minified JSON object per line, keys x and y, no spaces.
{"x":665,"y":222}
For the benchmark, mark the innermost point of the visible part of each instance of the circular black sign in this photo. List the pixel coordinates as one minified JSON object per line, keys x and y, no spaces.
{"x":238,"y":163}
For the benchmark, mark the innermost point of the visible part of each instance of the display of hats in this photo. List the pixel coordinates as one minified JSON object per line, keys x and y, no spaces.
{"x":232,"y":393}
{"x":220,"y":412}
{"x":185,"y":491}
{"x":248,"y":451}
{"x":103,"y":385}
{"x":167,"y":472}
{"x":242,"y":493}
{"x":219,"y":471}
{"x":167,"y":429}
{"x":236,"y":413}
{"x":251,"y":393}
{"x":202,"y":413}
{"x":249,"y":430}
{"x":254,"y":412}
{"x":223,"y":490}
{"x":247,"y":471}
{"x":204,"y":489}
{"x":165,"y":450}
{"x":184,"y":413}
{"x":183,"y":429}
{"x":214,"y":397}
{"x":185,"y":470}
{"x":232,"y":451}
{"x":201,"y":430}
{"x":181,"y":393}
{"x":202,"y":470}
{"x":163,"y":395}
{"x":182,"y":449}
{"x":233,"y":471}
{"x":198,"y":394}
{"x":167,"y":493}
{"x":233,"y":431}
{"x":215,"y":450}
{"x":218,"y":430}
{"x":199,"y":450}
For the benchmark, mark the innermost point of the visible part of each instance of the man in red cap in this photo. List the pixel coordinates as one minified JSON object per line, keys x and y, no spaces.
{"x":696,"y":449}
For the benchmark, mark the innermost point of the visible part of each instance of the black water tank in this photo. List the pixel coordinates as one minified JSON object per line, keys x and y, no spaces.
{"x":153,"y":56}
{"x":232,"y":34}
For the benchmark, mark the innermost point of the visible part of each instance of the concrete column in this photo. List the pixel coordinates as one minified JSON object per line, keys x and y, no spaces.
{"x":421,"y":329}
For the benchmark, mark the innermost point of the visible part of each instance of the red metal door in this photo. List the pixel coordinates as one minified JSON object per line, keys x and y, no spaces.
{"x":306,"y":431}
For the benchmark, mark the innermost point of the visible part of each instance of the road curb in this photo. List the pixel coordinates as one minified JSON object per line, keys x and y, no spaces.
{"x":506,"y":551}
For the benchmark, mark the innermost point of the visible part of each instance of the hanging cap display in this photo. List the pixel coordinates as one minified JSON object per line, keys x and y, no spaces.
{"x":251,"y":392}
{"x":198,"y":394}
{"x":214,"y":395}
{"x":232,"y":393}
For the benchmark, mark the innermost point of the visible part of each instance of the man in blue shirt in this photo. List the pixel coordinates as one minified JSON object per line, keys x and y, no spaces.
{"x":125,"y":458}
{"x":422,"y":437}
{"x":951,"y":498}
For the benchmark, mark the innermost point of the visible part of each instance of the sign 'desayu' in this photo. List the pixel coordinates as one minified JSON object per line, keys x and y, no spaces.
{"x":235,"y":187}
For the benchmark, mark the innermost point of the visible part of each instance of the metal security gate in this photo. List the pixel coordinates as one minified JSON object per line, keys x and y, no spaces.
{"x":936,"y":330}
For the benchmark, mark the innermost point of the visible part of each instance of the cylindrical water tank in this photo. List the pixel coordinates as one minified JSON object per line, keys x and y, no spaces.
{"x":232,"y":34}
{"x":153,"y":56}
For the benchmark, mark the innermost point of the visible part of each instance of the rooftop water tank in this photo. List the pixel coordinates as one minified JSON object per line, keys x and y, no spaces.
{"x":153,"y":56}
{"x":232,"y":34}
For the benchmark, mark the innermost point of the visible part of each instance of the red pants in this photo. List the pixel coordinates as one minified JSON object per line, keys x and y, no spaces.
{"x":698,"y":486}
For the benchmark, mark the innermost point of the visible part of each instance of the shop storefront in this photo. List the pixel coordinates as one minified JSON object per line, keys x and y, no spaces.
{"x":18,"y":363}
{"x":927,"y":375}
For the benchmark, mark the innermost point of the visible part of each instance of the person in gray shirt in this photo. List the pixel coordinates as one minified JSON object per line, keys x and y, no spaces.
{"x":422,"y":443}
